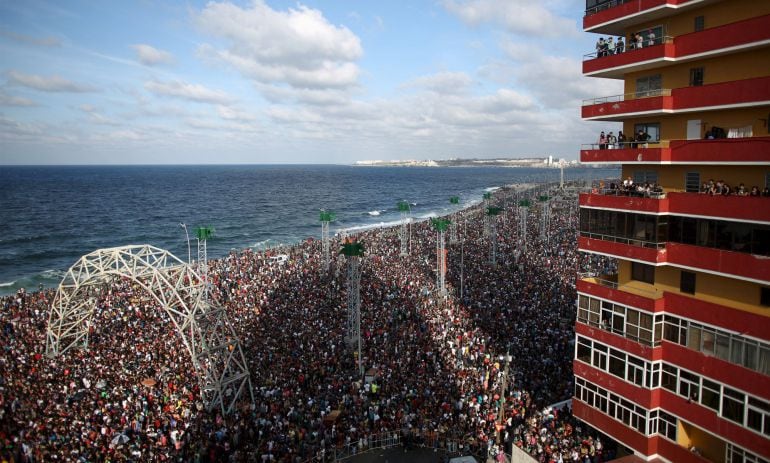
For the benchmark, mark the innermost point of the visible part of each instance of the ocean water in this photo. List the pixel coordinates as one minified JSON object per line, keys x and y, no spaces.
{"x":50,"y":216}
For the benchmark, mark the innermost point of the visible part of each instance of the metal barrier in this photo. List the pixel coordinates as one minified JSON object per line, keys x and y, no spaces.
{"x":627,"y":96}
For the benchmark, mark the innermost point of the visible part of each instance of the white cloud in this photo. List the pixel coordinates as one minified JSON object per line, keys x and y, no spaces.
{"x":11,"y":100}
{"x":443,"y":82}
{"x":297,"y":47}
{"x":150,"y":56}
{"x":30,"y":40}
{"x":523,"y":17}
{"x":46,"y":84}
{"x":187,"y":91}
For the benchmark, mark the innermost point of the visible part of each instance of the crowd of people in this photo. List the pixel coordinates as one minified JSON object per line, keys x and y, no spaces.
{"x":611,"y":141}
{"x":610,"y":46}
{"x":437,"y":363}
{"x":722,"y":188}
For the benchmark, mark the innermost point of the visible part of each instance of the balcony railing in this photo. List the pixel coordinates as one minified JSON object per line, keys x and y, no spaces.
{"x":725,"y":150}
{"x":615,"y":15}
{"x":628,"y":47}
{"x":627,"y":96}
{"x":622,"y":240}
{"x":721,"y":95}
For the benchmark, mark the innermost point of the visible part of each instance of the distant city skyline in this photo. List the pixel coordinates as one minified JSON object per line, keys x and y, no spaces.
{"x":161,"y":82}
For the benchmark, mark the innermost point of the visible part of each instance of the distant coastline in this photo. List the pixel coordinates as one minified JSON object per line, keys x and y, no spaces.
{"x":541,"y":162}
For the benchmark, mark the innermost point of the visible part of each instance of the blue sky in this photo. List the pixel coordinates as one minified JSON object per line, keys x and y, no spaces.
{"x":151,"y":81}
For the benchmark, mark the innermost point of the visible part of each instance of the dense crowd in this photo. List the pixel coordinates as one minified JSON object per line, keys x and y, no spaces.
{"x":436,"y":361}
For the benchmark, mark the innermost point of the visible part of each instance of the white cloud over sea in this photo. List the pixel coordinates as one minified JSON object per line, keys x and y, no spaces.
{"x":276,"y":81}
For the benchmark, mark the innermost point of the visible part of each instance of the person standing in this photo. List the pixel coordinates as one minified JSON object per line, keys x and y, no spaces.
{"x":611,"y":141}
{"x":639,"y":40}
{"x":610,"y":47}
{"x":620,"y":46}
{"x":650,"y":38}
{"x":621,"y":140}
{"x":602,"y":141}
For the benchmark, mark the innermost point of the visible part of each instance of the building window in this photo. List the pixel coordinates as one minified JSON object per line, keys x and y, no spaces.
{"x":733,"y":404}
{"x":651,"y":129}
{"x":643,"y":272}
{"x":696,"y":77}
{"x":700,"y":22}
{"x":764,"y":296}
{"x":692,"y":182}
{"x":649,"y":86}
{"x":687,"y":282}
{"x":645,"y":176}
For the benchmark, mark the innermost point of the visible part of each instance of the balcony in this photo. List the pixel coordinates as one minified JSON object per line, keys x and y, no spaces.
{"x":614,"y":16}
{"x":650,"y":301}
{"x":624,"y":203}
{"x":734,"y":264}
{"x":716,"y":41}
{"x":756,"y":209}
{"x":622,"y":248}
{"x":723,"y":95}
{"x":729,"y":151}
{"x":738,"y":208}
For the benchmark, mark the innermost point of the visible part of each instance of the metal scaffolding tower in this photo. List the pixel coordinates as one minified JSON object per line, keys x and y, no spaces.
{"x":354,"y":250}
{"x":487,"y":197}
{"x":207,"y":334}
{"x":453,"y":226}
{"x":545,"y":216}
{"x":404,"y":209}
{"x":492,"y":213}
{"x":440,"y":225}
{"x":326,"y":217}
{"x":203,"y":234}
{"x":523,"y":210}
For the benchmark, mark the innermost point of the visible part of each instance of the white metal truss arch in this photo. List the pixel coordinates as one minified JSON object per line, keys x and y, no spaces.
{"x":205,"y":330}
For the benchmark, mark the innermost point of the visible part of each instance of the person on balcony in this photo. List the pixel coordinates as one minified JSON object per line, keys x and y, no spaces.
{"x":620,"y":46}
{"x":621,"y":140}
{"x":639,"y":40}
{"x":754,"y":191}
{"x":602,"y":141}
{"x":612,"y":141}
{"x":741,"y":190}
{"x":650,"y":38}
{"x":600,"y":47}
{"x":610,"y":46}
{"x":642,"y":137}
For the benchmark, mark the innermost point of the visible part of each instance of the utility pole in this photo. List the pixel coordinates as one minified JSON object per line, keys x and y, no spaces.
{"x":405,"y":210}
{"x":354,"y":250}
{"x":492,"y":213}
{"x":203,"y":234}
{"x":326,"y":217}
{"x":455,"y":200}
{"x":440,"y":225}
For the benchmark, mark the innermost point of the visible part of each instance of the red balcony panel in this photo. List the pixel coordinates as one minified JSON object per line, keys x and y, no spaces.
{"x":750,"y":381}
{"x":655,"y":52}
{"x":740,"y":321}
{"x":729,"y":35}
{"x":625,"y":203}
{"x":615,"y":429}
{"x":624,"y":155}
{"x":745,"y":150}
{"x":739,"y":264}
{"x":626,"y":9}
{"x":646,"y":398}
{"x":707,"y":419}
{"x":756,"y":90}
{"x":635,"y":105}
{"x":729,"y":207}
{"x":672,"y":451}
{"x":623,"y":251}
{"x":606,"y":337}
{"x":621,"y":297}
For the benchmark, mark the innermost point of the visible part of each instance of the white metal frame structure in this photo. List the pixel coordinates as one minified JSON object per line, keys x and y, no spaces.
{"x":205,"y":330}
{"x":353,"y":328}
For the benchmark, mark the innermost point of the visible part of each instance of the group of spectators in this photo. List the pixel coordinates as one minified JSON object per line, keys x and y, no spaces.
{"x":722,"y":188}
{"x":610,"y":46}
{"x":611,"y":141}
{"x":435,"y":361}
